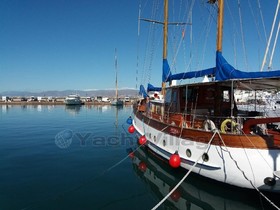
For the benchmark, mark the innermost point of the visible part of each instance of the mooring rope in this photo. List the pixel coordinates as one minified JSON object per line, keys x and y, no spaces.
{"x":187,"y":174}
{"x":235,"y":162}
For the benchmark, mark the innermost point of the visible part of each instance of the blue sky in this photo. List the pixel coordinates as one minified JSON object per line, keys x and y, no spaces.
{"x":70,"y":44}
{"x":59,"y":45}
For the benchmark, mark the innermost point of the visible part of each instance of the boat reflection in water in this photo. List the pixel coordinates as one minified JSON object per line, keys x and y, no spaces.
{"x":74,"y":109}
{"x":195,"y":192}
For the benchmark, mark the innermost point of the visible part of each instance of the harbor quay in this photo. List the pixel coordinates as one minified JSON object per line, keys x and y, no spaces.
{"x":60,"y":100}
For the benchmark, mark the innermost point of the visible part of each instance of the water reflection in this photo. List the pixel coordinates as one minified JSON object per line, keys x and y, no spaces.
{"x":195,"y":192}
{"x":73,"y":109}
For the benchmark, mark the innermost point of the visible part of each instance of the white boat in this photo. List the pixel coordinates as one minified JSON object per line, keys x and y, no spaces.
{"x":198,"y":126}
{"x":73,"y":99}
{"x":117,"y":102}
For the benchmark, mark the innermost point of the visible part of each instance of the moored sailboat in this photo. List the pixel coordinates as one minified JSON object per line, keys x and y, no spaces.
{"x":116,"y":101}
{"x":201,"y":124}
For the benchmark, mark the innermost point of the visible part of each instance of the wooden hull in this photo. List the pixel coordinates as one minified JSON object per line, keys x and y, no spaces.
{"x":241,"y":160}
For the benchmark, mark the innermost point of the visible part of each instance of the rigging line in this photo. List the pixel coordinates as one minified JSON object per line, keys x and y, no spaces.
{"x":145,"y":69}
{"x":255,"y":148}
{"x":274,"y":45}
{"x":257,"y":27}
{"x":233,"y":22}
{"x":152,"y":38}
{"x":261,"y":14}
{"x":255,"y":19}
{"x":202,"y":36}
{"x":235,"y":162}
{"x":242,"y":35}
{"x":138,"y":40}
{"x":187,"y":174}
{"x":175,"y":41}
{"x":189,"y":17}
{"x":208,"y":29}
{"x":270,"y":36}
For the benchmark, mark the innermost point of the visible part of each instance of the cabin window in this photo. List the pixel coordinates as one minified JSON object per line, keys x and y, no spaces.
{"x":226,"y":95}
{"x":171,"y":100}
{"x":168,"y":96}
{"x":189,"y":94}
{"x":158,"y":109}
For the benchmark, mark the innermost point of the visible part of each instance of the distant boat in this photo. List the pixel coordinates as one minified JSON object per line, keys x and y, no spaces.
{"x":73,"y":99}
{"x":116,"y":101}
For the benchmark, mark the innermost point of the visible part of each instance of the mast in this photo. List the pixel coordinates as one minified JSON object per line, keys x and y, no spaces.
{"x":116,"y":68}
{"x":165,"y":33}
{"x":220,"y":25}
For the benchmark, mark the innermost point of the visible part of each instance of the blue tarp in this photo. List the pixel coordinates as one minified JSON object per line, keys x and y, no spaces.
{"x":142,"y":91}
{"x":166,"y":73}
{"x":192,"y":74}
{"x":224,"y":71}
{"x":152,"y":88}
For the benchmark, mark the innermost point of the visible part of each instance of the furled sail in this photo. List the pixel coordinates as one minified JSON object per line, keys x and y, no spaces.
{"x":224,"y":71}
{"x":152,"y":88}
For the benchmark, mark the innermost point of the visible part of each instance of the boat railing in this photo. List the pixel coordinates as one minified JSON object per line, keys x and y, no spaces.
{"x":243,"y":122}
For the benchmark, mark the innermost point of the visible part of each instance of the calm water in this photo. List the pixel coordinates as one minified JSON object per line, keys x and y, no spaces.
{"x":54,"y":157}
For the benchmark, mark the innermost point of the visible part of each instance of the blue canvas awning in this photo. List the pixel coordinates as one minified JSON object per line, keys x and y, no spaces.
{"x":224,"y":71}
{"x":152,"y":88}
{"x":143,"y":92}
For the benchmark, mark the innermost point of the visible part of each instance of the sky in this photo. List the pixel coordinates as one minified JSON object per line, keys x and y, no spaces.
{"x":70,"y":44}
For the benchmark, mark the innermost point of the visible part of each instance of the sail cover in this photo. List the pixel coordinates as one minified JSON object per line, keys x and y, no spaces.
{"x":152,"y":88}
{"x":142,"y":91}
{"x":166,"y":73}
{"x":192,"y":74}
{"x":224,"y":71}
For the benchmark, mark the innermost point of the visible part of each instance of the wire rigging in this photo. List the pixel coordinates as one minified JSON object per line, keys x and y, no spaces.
{"x":242,"y":36}
{"x":270,"y":36}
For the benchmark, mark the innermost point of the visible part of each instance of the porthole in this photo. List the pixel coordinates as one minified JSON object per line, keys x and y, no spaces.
{"x":155,"y":138}
{"x":150,"y":135}
{"x":188,"y":153}
{"x":164,"y":142}
{"x":205,"y":157}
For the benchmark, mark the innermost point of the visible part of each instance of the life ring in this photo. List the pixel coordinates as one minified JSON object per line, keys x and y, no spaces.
{"x":225,"y":127}
{"x":209,"y":125}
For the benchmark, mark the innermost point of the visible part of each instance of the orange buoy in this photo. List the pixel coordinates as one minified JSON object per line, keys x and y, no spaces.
{"x":131,"y":129}
{"x":142,"y":140}
{"x":175,"y":160}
